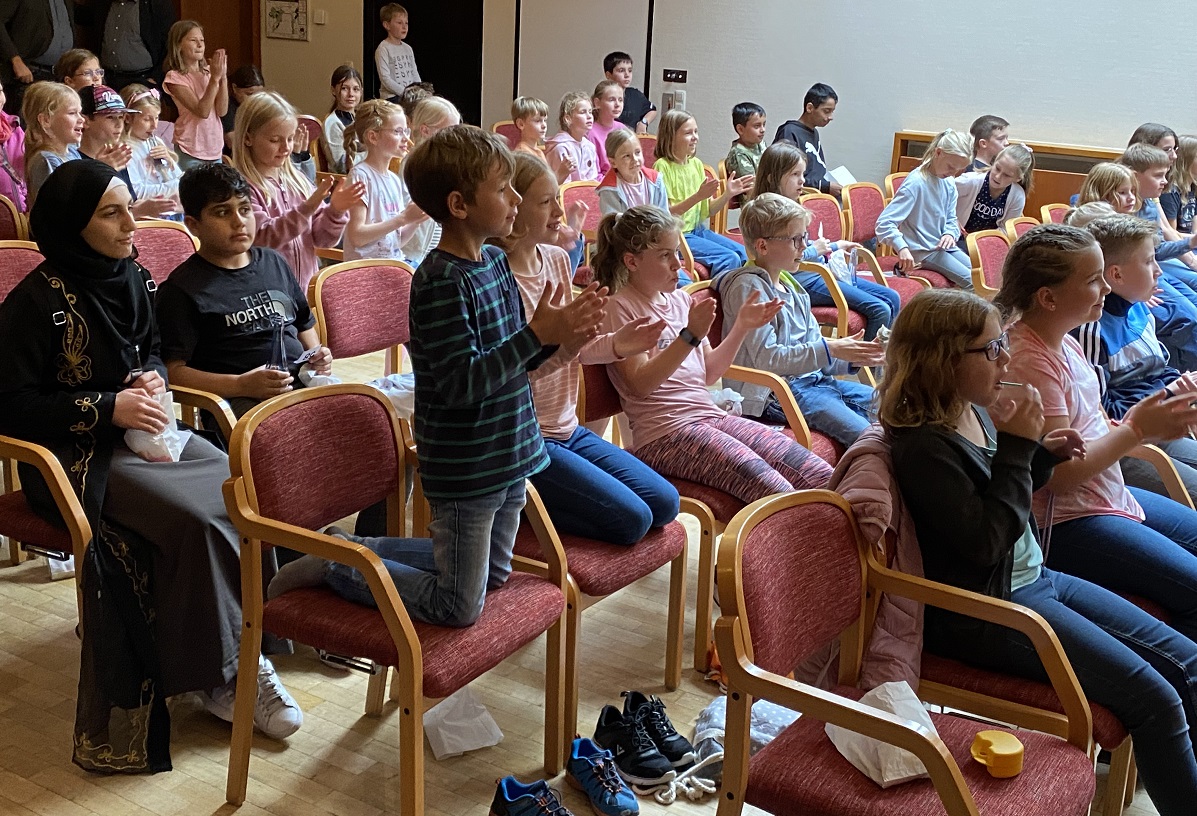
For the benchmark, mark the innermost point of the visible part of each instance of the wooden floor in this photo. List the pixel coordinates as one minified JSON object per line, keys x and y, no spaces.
{"x":341,"y":762}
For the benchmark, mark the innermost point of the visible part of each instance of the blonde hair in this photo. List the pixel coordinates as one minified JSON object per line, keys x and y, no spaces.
{"x":174,"y":47}
{"x":778,"y":159}
{"x":390,"y":10}
{"x":1022,"y":156}
{"x":568,"y":102}
{"x":529,"y":169}
{"x":672,"y":121}
{"x":525,"y":107}
{"x":1090,"y":211}
{"x":633,"y":231}
{"x":603,"y":87}
{"x":371,"y":115}
{"x":1120,"y":234}
{"x":617,"y":138}
{"x":1045,"y":256}
{"x":138,"y":97}
{"x":428,"y":112}
{"x":952,"y":142}
{"x":42,"y":98}
{"x":767,"y":214}
{"x":255,"y":113}
{"x":1181,"y":176}
{"x":1103,"y":180}
{"x":929,"y":339}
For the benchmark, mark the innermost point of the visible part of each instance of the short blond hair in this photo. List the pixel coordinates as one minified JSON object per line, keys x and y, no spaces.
{"x":769,"y":214}
{"x":526,"y":107}
{"x":456,"y":159}
{"x":568,"y":102}
{"x":428,"y":112}
{"x":1142,"y":157}
{"x":1088,"y":212}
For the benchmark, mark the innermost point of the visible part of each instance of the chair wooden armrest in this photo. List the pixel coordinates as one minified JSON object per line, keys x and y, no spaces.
{"x":60,"y":487}
{"x":1163,"y":464}
{"x":192,"y":399}
{"x":330,"y":254}
{"x":785,"y":397}
{"x":837,"y":295}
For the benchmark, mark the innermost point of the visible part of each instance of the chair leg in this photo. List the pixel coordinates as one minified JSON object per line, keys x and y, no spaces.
{"x":735,"y":755}
{"x":16,"y":555}
{"x":376,"y":691}
{"x":1119,"y":783}
{"x":243,"y":713}
{"x":556,"y":738}
{"x":1132,"y":779}
{"x":573,"y":622}
{"x":677,"y":620}
{"x":411,"y":745}
{"x":705,"y":601}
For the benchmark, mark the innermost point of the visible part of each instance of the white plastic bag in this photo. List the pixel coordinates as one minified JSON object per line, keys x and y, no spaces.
{"x":401,"y":389}
{"x":460,"y":723}
{"x":885,"y":764}
{"x":841,"y":268}
{"x":160,"y":447}
{"x":729,"y":400}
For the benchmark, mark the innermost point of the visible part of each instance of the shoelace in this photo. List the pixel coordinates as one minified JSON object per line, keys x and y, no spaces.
{"x":270,"y":690}
{"x":607,"y":776}
{"x":551,"y":804}
{"x":653,"y":715}
{"x":641,"y":741}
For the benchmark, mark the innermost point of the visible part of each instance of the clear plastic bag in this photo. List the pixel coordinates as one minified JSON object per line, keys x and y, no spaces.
{"x":460,"y":723}
{"x":885,"y":764}
{"x":165,"y":446}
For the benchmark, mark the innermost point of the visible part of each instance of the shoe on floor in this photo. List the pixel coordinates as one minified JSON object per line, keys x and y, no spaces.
{"x":276,"y":713}
{"x":592,"y":770}
{"x":513,"y":798}
{"x":636,"y":757}
{"x":650,"y":712}
{"x":219,"y":701}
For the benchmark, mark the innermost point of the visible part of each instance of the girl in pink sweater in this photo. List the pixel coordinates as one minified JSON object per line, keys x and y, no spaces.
{"x":292,"y":216}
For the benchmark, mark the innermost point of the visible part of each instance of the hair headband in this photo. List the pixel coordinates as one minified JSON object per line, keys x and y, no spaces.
{"x":148,"y":93}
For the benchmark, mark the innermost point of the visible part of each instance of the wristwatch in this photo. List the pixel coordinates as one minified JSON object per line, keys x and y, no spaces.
{"x":687,"y":336}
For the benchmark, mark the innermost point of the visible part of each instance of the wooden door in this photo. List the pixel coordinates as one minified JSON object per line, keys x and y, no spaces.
{"x":234,"y":25}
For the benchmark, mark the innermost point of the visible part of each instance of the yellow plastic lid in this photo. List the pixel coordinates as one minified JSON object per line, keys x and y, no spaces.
{"x":1000,"y":752}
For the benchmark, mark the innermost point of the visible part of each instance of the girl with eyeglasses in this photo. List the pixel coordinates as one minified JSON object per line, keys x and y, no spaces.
{"x":78,"y":68}
{"x":969,"y":448}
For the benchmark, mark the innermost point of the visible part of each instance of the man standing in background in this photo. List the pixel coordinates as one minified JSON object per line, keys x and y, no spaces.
{"x":33,"y":35}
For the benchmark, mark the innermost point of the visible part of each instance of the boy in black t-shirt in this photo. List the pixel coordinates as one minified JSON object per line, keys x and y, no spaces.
{"x":218,"y":311}
{"x":638,"y":111}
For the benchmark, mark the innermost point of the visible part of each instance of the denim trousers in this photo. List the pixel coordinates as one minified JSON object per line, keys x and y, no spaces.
{"x":1141,"y":669}
{"x":443,"y":580}
{"x":716,"y":252}
{"x":595,"y":490}
{"x":953,"y":264}
{"x":877,"y":304}
{"x":838,"y":408}
{"x":1176,"y":323}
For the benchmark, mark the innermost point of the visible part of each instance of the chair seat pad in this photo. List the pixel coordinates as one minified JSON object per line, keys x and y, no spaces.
{"x":1107,"y":729}
{"x":800,"y":773}
{"x":583,"y":275}
{"x":829,"y":316}
{"x":514,"y":615}
{"x":723,"y":505}
{"x":825,"y":447}
{"x":600,"y":568}
{"x":905,"y":287}
{"x":18,"y":521}
{"x":936,"y":280}
{"x":702,"y":271}
{"x":1150,"y":607}
{"x":735,"y":234}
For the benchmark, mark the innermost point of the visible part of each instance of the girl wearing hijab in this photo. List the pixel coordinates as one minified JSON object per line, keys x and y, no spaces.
{"x":84,"y":368}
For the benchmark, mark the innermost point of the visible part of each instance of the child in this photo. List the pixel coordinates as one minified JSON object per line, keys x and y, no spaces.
{"x":987,"y":200}
{"x":920,"y":222}
{"x":591,"y":488}
{"x":12,"y":158}
{"x":380,"y":224}
{"x":152,"y":168}
{"x":692,"y":193}
{"x":531,"y":118}
{"x":291,"y":216}
{"x":1126,"y":540}
{"x":431,"y":116}
{"x":638,"y":111}
{"x":748,"y":120}
{"x":1156,"y":135}
{"x":1179,"y":203}
{"x":818,"y":109}
{"x":55,"y":117}
{"x":629,"y":183}
{"x":78,"y":68}
{"x":791,"y":345}
{"x":219,"y":310}
{"x":966,"y":479}
{"x":200,"y":90}
{"x":104,"y":115}
{"x":781,"y":172}
{"x":347,"y":93}
{"x":1113,"y":183}
{"x":570,"y":147}
{"x":608,"y":105}
{"x":394,"y":58}
{"x":991,"y":135}
{"x":243,"y":83}
{"x":676,"y":429}
{"x":1151,"y":166}
{"x":413,"y":95}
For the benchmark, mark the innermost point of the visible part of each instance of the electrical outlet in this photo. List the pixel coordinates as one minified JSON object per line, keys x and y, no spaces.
{"x":675,"y":75}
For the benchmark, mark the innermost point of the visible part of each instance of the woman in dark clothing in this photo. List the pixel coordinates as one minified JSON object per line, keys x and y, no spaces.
{"x":161,"y":576}
{"x":967,"y":480}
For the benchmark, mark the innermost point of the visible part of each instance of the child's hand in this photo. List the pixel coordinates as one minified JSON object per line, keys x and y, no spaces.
{"x":264,"y":383}
{"x":346,"y":194}
{"x":848,"y":246}
{"x":115,"y":155}
{"x":756,"y":312}
{"x":740,"y":184}
{"x":1019,"y":411}
{"x":321,"y":362}
{"x":641,"y":128}
{"x":313,"y":202}
{"x":822,"y":246}
{"x":858,"y":351}
{"x":568,"y":237}
{"x":567,"y":165}
{"x":946,"y":242}
{"x":906,"y":260}
{"x":708,"y":189}
{"x":1186,"y":383}
{"x":219,"y":66}
{"x":702,"y":316}
{"x":412,"y":214}
{"x":572,"y":325}
{"x":642,"y":334}
{"x":159,"y":151}
{"x":575,"y":216}
{"x":1066,"y":443}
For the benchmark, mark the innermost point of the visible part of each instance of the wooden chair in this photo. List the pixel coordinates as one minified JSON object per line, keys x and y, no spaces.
{"x":311,"y":128}
{"x":839,"y":319}
{"x":863,"y":203}
{"x":162,"y":246}
{"x":358,"y":463}
{"x":17,"y":259}
{"x":987,"y":250}
{"x":696,"y":270}
{"x":1018,"y":227}
{"x":892,"y":182}
{"x":508,"y":131}
{"x":587,"y":193}
{"x":794,"y":576}
{"x":13,"y":225}
{"x":648,"y":146}
{"x":732,"y":204}
{"x":1054,"y":213}
{"x":719,"y":219}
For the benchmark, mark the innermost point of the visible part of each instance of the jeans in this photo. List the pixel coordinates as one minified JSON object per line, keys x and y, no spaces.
{"x":716,"y":252}
{"x":595,"y":490}
{"x":1125,"y":660}
{"x":444,"y":580}
{"x":187,"y":161}
{"x":953,"y":264}
{"x":1176,"y":324}
{"x":1155,"y":560}
{"x":877,"y":304}
{"x":838,"y":408}
{"x":1180,"y":276}
{"x":1183,"y":452}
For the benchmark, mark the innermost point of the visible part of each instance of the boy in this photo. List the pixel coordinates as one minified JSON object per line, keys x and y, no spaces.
{"x":394,"y":58}
{"x":102,"y":139}
{"x":608,"y":107}
{"x":1122,"y":345}
{"x":818,"y":109}
{"x":792,"y":345}
{"x":990,"y":134}
{"x":638,"y":112}
{"x":748,"y":120}
{"x":531,"y":117}
{"x":218,"y":310}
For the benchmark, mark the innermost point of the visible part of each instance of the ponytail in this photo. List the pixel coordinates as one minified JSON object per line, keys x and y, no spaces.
{"x":949,"y":141}
{"x":370,"y":116}
{"x":633,"y":231}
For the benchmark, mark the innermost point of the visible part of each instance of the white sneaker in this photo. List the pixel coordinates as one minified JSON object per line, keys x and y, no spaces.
{"x":276,"y":713}
{"x":219,"y":702}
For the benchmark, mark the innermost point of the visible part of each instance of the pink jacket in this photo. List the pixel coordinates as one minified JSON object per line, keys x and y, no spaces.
{"x":281,"y":226}
{"x":12,"y":153}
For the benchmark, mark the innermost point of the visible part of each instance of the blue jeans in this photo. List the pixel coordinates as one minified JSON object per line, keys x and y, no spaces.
{"x":1126,"y":660}
{"x":877,"y":304}
{"x":1180,"y":276}
{"x":1156,"y":560}
{"x":1176,"y":323}
{"x":444,"y":580}
{"x":838,"y":408}
{"x":953,"y":264}
{"x":716,"y":252}
{"x":595,"y":490}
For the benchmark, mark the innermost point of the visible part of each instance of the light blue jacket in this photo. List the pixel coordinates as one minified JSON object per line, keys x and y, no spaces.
{"x":922,"y":211}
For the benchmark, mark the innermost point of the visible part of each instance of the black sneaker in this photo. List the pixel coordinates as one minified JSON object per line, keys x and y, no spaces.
{"x":637,"y":759}
{"x":649,"y":712}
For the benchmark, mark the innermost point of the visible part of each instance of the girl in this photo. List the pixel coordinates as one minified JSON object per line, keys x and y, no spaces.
{"x":965,"y":458}
{"x":692,"y":194}
{"x":986,"y":201}
{"x":608,"y":105}
{"x":12,"y":158}
{"x":1111,"y":182}
{"x":292,"y":217}
{"x":570,"y":148}
{"x":153,"y":169}
{"x":629,"y":183}
{"x":430,"y":116}
{"x":199,"y":89}
{"x":347,"y":93}
{"x":380,"y":224}
{"x":591,"y":488}
{"x":1179,"y":203}
{"x":1156,"y":135}
{"x":78,"y":68}
{"x":243,"y":83}
{"x":676,"y":429}
{"x":920,"y":222}
{"x":55,"y":118}
{"x":782,"y":171}
{"x":1127,"y":540}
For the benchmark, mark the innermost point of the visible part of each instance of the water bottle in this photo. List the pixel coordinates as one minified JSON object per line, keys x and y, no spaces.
{"x":278,"y":345}
{"x":162,"y":165}
{"x":852,"y":264}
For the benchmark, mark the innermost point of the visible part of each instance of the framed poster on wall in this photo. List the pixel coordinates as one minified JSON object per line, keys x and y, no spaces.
{"x":287,"y":19}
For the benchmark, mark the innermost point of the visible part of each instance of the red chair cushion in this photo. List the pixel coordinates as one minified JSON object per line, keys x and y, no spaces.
{"x":1150,"y":607}
{"x":514,"y":615}
{"x":18,"y":521}
{"x":936,"y":280}
{"x":583,"y":275}
{"x":1107,"y":729}
{"x":801,"y":772}
{"x":723,"y":505}
{"x":735,"y":234}
{"x":702,"y":271}
{"x":829,"y":316}
{"x":905,"y":287}
{"x":601,"y":568}
{"x":825,"y":447}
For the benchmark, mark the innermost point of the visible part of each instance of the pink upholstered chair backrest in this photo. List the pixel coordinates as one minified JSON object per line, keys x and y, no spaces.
{"x":825,"y":212}
{"x":16,"y":261}
{"x":364,"y":308}
{"x":508,"y":131}
{"x":602,"y":400}
{"x":648,"y":146}
{"x":715,"y":335}
{"x":162,"y":246}
{"x":992,"y":249}
{"x":1024,"y":225}
{"x":587,"y":193}
{"x":866,"y":203}
{"x":312,"y":129}
{"x":11,"y":228}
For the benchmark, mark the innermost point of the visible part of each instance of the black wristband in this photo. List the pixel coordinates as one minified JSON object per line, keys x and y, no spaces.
{"x":687,"y":336}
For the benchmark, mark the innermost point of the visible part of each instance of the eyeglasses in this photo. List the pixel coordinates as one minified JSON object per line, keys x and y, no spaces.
{"x":93,"y":73}
{"x":403,"y":132}
{"x":993,"y":349}
{"x":796,"y":240}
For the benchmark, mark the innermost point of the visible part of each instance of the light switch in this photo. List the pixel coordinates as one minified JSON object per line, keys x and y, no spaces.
{"x":320,"y":17}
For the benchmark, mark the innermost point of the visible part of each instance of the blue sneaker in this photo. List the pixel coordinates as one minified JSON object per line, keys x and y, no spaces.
{"x":592,"y":770}
{"x":513,"y":798}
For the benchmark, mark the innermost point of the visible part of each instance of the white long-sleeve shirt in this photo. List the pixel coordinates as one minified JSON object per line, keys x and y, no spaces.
{"x":396,"y":67}
{"x":922,"y":212}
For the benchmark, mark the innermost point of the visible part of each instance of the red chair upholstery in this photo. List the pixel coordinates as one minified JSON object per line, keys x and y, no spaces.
{"x":648,"y":147}
{"x":1054,"y":213}
{"x":863,"y":203}
{"x":987,"y":249}
{"x":12,"y":222}
{"x":892,"y":182}
{"x":508,"y":131}
{"x":1018,"y":227}
{"x":17,"y":259}
{"x":162,"y":246}
{"x":311,"y":128}
{"x":361,"y":306}
{"x":587,"y":193}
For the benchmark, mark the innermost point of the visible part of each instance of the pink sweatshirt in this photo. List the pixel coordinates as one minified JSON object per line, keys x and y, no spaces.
{"x":281,"y":226}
